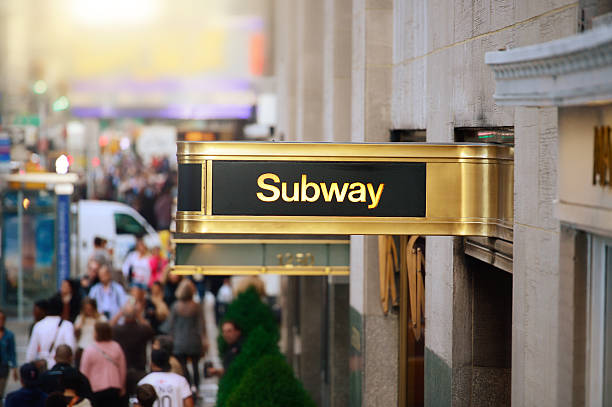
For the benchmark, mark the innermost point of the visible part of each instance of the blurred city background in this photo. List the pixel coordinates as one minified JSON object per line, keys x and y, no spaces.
{"x":95,"y":95}
{"x":102,"y":91}
{"x":112,"y":86}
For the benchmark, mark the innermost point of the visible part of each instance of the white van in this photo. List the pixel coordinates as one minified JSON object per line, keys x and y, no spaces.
{"x":116,"y":222}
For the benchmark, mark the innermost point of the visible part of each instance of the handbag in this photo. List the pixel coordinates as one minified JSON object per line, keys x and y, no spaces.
{"x":106,"y":356}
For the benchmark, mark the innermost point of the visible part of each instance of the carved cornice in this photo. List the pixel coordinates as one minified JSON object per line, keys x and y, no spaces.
{"x":572,"y":70}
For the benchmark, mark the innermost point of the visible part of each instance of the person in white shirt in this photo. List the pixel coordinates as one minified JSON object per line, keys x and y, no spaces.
{"x":224,"y":298}
{"x":172,"y":389}
{"x":139,"y":263}
{"x":109,"y":295}
{"x":225,"y":292}
{"x":48,"y":334}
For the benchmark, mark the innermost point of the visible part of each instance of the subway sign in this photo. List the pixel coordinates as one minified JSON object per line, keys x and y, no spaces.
{"x":282,"y":188}
{"x":343,"y":189}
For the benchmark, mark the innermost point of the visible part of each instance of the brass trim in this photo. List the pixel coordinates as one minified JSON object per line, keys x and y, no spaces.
{"x":260,"y":241}
{"x":209,"y":189}
{"x":259,"y":270}
{"x":192,"y":213}
{"x":194,"y":151}
{"x":204,"y":205}
{"x":197,"y":160}
{"x":342,"y":225}
{"x":489,"y":255}
{"x":403,"y":324}
{"x":469,"y":189}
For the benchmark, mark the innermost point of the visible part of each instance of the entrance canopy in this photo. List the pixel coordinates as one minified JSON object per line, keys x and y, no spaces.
{"x":345,"y":189}
{"x":311,"y":255}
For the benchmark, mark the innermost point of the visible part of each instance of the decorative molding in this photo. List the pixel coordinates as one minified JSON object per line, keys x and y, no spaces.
{"x":569,"y":71}
{"x":496,"y":252}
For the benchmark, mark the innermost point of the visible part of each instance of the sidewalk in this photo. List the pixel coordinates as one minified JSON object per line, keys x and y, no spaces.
{"x":208,"y":387}
{"x":20,"y":329}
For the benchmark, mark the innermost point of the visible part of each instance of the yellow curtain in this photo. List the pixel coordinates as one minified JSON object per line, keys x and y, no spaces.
{"x":387,"y":263}
{"x":415,"y":264}
{"x":388,"y":258}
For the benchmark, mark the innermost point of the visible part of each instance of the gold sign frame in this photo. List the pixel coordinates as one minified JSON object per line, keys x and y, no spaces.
{"x":292,"y":268}
{"x":469,"y":189}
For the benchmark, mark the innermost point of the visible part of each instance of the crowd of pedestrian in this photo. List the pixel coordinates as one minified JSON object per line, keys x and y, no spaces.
{"x":148,"y":188}
{"x":100,"y":338}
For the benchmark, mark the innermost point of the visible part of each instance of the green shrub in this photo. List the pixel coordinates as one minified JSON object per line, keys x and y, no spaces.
{"x":270,"y":383}
{"x":259,"y":343}
{"x":248,"y":311}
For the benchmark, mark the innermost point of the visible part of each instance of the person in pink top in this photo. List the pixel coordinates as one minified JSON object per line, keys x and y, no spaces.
{"x":157,"y":264}
{"x":103,"y":362}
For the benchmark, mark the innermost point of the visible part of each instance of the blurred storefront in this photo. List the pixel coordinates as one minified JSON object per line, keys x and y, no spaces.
{"x":37,"y":247}
{"x":35,"y":239}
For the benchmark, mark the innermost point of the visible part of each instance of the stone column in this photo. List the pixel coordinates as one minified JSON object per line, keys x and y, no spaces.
{"x":447,"y":350}
{"x":536,"y":277}
{"x":309,"y":92}
{"x":336,"y":120}
{"x":288,"y":303}
{"x":311,"y":314}
{"x":337,"y":71}
{"x":285,"y":61}
{"x":338,"y":355}
{"x":449,"y":290}
{"x":374,"y":336}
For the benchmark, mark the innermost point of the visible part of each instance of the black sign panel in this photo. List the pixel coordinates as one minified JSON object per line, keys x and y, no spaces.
{"x":189,"y":187}
{"x":284,"y":188}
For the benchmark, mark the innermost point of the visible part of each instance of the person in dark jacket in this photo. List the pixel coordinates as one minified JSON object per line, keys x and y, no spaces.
{"x":54,"y":380}
{"x":133,"y":335}
{"x":232,"y":334}
{"x":29,"y":394}
{"x":8,"y":355}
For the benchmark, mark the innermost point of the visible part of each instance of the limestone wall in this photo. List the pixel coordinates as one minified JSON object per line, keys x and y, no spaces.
{"x":440,"y":82}
{"x":420,"y":65}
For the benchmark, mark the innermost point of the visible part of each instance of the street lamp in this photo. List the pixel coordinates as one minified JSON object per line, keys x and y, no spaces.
{"x":40,"y":87}
{"x":62,"y":103}
{"x":61,"y":164}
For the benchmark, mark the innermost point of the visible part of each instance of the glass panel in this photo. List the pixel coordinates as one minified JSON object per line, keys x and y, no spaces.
{"x":496,"y":135}
{"x":37,"y":250}
{"x":127,"y":225}
{"x":607,"y":384}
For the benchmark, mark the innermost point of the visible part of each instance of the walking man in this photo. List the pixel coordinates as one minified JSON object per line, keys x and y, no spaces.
{"x":109,"y":294}
{"x":171,"y":389}
{"x":49,"y":333}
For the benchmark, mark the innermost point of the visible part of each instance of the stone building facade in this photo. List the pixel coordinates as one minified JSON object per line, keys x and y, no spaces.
{"x":363,"y":70}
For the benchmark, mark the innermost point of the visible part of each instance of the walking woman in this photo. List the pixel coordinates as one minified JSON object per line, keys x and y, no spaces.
{"x":70,"y":297}
{"x":8,"y":356}
{"x":84,"y":326}
{"x":137,"y":265}
{"x":188,"y":329}
{"x":103,"y":363}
